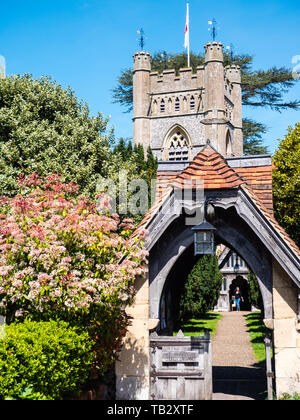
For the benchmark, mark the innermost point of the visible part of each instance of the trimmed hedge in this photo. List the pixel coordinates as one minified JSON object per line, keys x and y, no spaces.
{"x":44,"y":361}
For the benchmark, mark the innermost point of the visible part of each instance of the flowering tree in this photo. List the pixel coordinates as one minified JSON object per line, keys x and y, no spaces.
{"x":60,"y":258}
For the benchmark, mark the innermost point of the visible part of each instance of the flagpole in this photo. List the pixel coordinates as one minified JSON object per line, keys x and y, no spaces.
{"x":189,"y":56}
{"x":187,"y":29}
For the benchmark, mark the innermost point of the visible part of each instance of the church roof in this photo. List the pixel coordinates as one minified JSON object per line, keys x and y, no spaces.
{"x":211,"y":168}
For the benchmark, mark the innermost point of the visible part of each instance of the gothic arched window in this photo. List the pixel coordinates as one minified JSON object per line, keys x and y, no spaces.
{"x":177,"y":146}
{"x":177,"y":105}
{"x":229,"y":148}
{"x":162,"y":106}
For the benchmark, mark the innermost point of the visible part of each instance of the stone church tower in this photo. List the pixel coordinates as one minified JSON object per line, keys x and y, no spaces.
{"x":176,"y":115}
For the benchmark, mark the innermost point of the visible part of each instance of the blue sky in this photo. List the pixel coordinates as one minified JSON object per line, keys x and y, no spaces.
{"x":85,"y":43}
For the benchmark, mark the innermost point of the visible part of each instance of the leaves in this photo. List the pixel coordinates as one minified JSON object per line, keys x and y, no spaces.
{"x":46,"y":129}
{"x":62,"y":259}
{"x":202,"y":288}
{"x":286,"y":183}
{"x":253,"y":140}
{"x":43,"y":360}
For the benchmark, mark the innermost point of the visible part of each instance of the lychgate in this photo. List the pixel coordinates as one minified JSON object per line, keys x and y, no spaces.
{"x":174,"y":115}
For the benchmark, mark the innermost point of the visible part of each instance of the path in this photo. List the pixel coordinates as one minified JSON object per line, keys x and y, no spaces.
{"x":236,"y":374}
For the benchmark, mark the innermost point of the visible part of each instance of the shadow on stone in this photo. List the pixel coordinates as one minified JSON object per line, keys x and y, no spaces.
{"x":240,"y":381}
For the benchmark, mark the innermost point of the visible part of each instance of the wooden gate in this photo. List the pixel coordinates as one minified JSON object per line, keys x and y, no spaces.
{"x":181,"y":367}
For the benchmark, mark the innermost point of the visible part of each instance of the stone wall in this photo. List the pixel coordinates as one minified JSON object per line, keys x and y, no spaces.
{"x":286,"y":333}
{"x":132,"y":370}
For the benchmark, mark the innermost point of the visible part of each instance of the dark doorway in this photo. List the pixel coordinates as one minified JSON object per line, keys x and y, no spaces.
{"x":243,"y":285}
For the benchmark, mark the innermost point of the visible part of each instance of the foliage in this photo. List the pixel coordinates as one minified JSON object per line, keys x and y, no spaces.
{"x":43,"y":360}
{"x":63,"y":259}
{"x":290,"y":397}
{"x":138,"y":167}
{"x":286,"y":183}
{"x":202,"y":288}
{"x":255,"y":296}
{"x":260,"y":88}
{"x":253,"y":139}
{"x":45,"y":129}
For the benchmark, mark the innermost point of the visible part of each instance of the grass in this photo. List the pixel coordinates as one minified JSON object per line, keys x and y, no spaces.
{"x":289,"y":397}
{"x":197,"y":327}
{"x":257,"y":331}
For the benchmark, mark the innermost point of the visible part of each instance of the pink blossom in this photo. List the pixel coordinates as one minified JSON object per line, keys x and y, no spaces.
{"x":55,"y":247}
{"x":4,"y":271}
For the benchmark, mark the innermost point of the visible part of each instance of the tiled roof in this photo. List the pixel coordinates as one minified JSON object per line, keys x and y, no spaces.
{"x":259,"y":178}
{"x":211,"y":168}
{"x":272,"y":221}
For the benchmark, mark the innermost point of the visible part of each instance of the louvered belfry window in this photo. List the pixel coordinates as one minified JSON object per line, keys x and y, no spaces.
{"x":178,"y":146}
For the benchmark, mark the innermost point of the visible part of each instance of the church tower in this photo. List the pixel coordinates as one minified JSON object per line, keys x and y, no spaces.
{"x":176,"y":114}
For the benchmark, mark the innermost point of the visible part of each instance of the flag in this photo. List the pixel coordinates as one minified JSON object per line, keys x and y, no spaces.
{"x":187,"y":33}
{"x":187,"y":28}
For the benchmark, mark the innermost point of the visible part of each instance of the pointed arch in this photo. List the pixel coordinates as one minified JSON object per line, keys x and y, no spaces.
{"x":177,"y":144}
{"x":229,"y":144}
{"x":155,"y":107}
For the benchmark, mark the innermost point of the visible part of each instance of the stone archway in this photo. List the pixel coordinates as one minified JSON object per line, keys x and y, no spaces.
{"x":231,"y":230}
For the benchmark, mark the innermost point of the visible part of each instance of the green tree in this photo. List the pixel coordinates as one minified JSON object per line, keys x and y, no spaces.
{"x":123,"y":148}
{"x":286,"y":183}
{"x":45,"y":129}
{"x":260,"y":88}
{"x":253,"y":139}
{"x":137,"y":166}
{"x":202,"y":288}
{"x":255,"y":296}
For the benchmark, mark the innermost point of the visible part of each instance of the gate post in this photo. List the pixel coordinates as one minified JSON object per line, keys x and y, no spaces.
{"x":132,"y":368}
{"x":270,"y":374}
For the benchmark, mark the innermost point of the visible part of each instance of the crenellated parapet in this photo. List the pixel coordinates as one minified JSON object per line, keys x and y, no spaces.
{"x":169,"y":81}
{"x":233,"y":74}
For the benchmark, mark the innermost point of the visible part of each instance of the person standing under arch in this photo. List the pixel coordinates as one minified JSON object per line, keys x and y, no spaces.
{"x":238,"y":298}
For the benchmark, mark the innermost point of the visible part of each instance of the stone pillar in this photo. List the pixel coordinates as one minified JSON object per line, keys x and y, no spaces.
{"x":141,"y":99}
{"x":214,"y":96}
{"x":233,"y":74}
{"x":133,"y":367}
{"x":286,"y":333}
